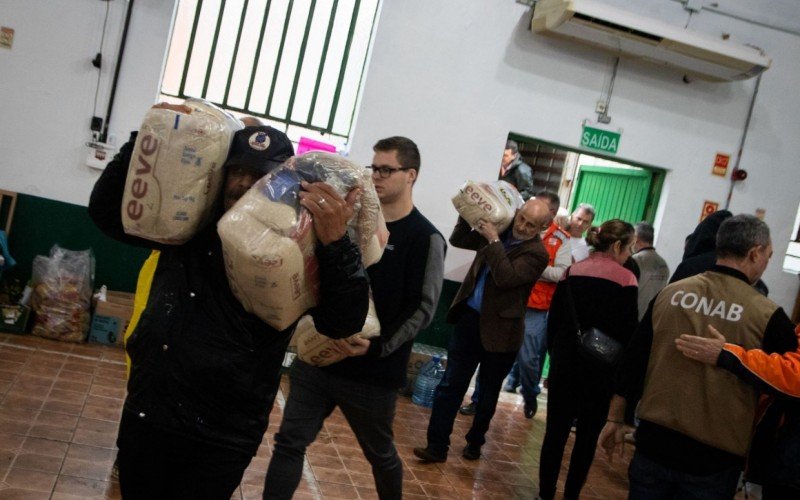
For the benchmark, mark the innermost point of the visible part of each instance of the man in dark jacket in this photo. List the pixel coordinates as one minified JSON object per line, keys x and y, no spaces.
{"x":205,"y":372}
{"x":699,"y":253}
{"x":515,"y":171}
{"x":489,"y":313}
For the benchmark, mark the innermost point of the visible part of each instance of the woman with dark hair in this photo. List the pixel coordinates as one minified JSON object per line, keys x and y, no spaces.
{"x":604,"y":295}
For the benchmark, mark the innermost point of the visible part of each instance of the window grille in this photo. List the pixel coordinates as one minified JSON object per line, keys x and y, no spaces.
{"x":297,"y":62}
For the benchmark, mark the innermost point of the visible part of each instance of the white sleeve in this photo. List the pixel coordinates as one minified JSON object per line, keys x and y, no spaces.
{"x":560,"y":263}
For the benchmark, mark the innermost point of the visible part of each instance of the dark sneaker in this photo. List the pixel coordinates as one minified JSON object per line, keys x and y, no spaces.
{"x":471,"y":452}
{"x":470,"y":409}
{"x":530,"y":410}
{"x":427,"y":455}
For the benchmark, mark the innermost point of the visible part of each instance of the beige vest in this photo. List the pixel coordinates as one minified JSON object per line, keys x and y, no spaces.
{"x":702,"y":401}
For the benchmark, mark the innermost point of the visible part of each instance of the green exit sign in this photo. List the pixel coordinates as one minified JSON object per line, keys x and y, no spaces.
{"x":600,"y":140}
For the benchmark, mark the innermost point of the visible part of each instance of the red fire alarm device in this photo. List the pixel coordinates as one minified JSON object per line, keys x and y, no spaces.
{"x":721,"y":162}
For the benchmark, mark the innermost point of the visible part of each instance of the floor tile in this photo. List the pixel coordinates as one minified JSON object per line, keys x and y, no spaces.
{"x":30,"y":479}
{"x":41,"y":463}
{"x":60,"y":405}
{"x":69,"y":487}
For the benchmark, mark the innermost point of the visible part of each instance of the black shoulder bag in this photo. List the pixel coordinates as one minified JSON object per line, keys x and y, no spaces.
{"x":592,"y":342}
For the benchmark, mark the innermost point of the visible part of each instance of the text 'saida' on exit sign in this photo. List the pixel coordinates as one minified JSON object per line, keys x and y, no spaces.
{"x":600,"y":140}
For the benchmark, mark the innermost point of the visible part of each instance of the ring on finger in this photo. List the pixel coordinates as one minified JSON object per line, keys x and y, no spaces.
{"x":322,"y":201}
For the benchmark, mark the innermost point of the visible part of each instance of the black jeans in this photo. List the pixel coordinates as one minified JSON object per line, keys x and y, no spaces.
{"x":571,"y":397}
{"x":313,"y":394}
{"x":463,"y":356}
{"x":154,"y":464}
{"x":650,"y":480}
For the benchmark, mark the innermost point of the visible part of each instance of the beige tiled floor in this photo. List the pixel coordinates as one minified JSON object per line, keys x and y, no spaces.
{"x":60,"y":404}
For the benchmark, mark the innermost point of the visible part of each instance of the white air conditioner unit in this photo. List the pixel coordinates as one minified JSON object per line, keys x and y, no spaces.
{"x":622,"y":32}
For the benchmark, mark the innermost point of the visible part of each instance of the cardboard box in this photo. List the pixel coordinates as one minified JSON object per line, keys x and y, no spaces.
{"x":420,"y":354}
{"x":111,"y":318}
{"x":14,"y":318}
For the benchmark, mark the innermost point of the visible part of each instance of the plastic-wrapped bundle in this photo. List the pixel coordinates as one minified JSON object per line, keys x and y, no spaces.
{"x":62,"y":293}
{"x":317,"y":349}
{"x":176,"y":174}
{"x":269,"y":240}
{"x":496,"y":202}
{"x":562,"y":218}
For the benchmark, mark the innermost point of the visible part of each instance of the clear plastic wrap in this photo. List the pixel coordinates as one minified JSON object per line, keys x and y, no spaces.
{"x":317,"y":349}
{"x":496,"y":202}
{"x":269,"y":242}
{"x":62,"y":292}
{"x":176,"y":173}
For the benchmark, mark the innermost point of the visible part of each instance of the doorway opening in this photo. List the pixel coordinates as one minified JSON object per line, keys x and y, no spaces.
{"x":618,"y":189}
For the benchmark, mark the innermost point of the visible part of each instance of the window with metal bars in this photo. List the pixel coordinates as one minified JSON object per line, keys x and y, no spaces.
{"x":296,"y":62}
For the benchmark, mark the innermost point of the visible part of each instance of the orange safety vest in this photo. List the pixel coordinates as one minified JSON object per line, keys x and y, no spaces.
{"x":542,"y":291}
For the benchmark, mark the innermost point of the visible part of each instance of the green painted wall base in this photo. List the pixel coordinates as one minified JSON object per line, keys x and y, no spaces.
{"x":40,"y":223}
{"x":439,"y":332}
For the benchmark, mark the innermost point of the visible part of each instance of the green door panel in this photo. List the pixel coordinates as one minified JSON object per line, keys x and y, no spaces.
{"x":615,"y":193}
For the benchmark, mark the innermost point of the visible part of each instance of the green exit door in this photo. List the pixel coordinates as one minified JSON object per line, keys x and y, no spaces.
{"x":630,"y":194}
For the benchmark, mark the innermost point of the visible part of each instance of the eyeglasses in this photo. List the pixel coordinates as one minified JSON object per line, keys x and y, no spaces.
{"x":385,"y":172}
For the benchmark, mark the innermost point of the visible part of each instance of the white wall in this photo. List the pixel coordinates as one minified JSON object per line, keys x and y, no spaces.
{"x":456,"y":77}
{"x":49,"y":86}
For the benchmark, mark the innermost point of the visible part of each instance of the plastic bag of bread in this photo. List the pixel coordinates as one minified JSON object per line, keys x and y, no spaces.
{"x":269,"y":242}
{"x":176,"y":174}
{"x":62,"y":292}
{"x":496,"y":202}
{"x":317,"y":349}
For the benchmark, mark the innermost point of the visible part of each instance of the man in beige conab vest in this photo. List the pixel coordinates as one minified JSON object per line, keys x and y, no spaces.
{"x":695,"y":421}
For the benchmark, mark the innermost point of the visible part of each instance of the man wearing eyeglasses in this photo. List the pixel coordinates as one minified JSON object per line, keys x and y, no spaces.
{"x":405,"y":289}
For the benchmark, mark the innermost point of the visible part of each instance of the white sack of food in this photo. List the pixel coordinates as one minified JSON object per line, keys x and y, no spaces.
{"x":269,"y":241}
{"x":496,"y":202}
{"x":372,"y":250}
{"x":176,"y":173}
{"x":317,"y":349}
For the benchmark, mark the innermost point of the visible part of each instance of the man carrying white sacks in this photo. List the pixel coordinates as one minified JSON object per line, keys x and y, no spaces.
{"x":204,"y":371}
{"x":489,"y":313}
{"x":405,"y":284}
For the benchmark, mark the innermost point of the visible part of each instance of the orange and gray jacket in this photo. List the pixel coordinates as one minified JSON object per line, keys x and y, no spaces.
{"x":774,"y":456}
{"x":542,"y":292}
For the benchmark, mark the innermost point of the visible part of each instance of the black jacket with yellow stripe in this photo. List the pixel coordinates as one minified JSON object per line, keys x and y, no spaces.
{"x":202,"y":366}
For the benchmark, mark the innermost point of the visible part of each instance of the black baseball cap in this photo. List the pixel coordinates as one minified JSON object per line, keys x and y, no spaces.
{"x":260,"y":148}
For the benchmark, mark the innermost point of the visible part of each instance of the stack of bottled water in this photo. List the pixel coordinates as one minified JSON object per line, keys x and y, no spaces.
{"x":428,"y":378}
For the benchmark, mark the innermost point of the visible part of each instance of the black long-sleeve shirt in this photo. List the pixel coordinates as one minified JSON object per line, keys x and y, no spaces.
{"x":406,"y":284}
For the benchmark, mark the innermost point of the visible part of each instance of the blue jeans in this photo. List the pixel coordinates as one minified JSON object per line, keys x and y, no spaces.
{"x":313,"y":395}
{"x":530,"y":359}
{"x":463,"y":356}
{"x":652,"y":481}
{"x":527,"y":369}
